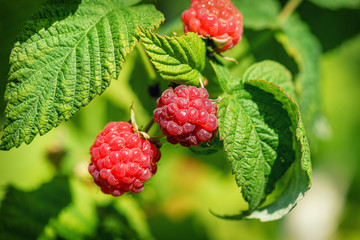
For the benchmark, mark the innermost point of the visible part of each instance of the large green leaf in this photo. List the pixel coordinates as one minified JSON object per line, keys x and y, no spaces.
{"x":23,"y":215}
{"x":178,"y":59}
{"x":273,"y":72}
{"x":305,"y":48}
{"x":67,"y":54}
{"x":336,"y":4}
{"x":263,"y":136}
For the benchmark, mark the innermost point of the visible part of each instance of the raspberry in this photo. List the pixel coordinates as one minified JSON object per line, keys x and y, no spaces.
{"x":186,"y":115}
{"x":121,"y":161}
{"x":216,"y":19}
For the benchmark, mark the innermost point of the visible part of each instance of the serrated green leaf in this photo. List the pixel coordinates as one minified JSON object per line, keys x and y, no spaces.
{"x":23,"y":215}
{"x":263,"y":136}
{"x":337,"y":4}
{"x":258,"y":15}
{"x":273,"y":72}
{"x":67,"y":54}
{"x":178,"y":59}
{"x":300,"y":43}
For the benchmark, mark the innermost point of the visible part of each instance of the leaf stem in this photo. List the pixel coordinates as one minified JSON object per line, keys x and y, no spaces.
{"x":149,"y":125}
{"x":160,"y":140}
{"x":288,"y":9}
{"x":133,"y":119}
{"x":148,"y":66}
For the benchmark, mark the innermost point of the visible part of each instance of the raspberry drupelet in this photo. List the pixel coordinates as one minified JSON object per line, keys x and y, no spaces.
{"x":186,"y":115}
{"x":121,"y":161}
{"x":216,"y":19}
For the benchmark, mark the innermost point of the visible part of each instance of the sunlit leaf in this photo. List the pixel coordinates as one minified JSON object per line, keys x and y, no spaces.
{"x":273,"y":72}
{"x":263,"y":136}
{"x":67,"y":54}
{"x":178,"y":59}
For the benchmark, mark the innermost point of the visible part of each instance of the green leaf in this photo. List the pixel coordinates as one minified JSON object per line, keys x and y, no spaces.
{"x":305,"y":48}
{"x":23,"y":215}
{"x":273,"y":72}
{"x":263,"y":136}
{"x":178,"y":59}
{"x":337,"y":4}
{"x":222,"y":73}
{"x":258,"y":15}
{"x":67,"y":54}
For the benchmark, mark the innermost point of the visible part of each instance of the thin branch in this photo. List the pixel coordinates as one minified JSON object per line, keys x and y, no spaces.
{"x":288,"y":9}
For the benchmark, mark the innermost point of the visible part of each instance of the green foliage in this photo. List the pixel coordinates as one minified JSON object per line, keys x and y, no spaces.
{"x":208,"y":148}
{"x":178,"y":59}
{"x":222,"y":74}
{"x":262,"y":139}
{"x":272,"y":72}
{"x":70,"y":51}
{"x":305,"y":48}
{"x":258,"y":16}
{"x":23,"y":215}
{"x":67,"y":54}
{"x":336,"y":4}
{"x":258,"y":129}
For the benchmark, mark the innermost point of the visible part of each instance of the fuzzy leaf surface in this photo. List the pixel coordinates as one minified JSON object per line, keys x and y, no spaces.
{"x":263,"y":137}
{"x":68,"y":52}
{"x":178,"y":59}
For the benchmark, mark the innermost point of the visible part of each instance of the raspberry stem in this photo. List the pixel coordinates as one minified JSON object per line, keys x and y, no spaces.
{"x":288,"y":9}
{"x":159,"y":140}
{"x":133,"y":119}
{"x":201,"y":83}
{"x":149,"y":125}
{"x":229,"y":58}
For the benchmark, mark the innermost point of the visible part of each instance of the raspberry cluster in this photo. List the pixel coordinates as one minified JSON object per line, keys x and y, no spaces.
{"x":186,"y":115}
{"x":216,"y":19}
{"x":121,"y":161}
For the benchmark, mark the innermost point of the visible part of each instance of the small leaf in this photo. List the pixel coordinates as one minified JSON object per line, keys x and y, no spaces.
{"x":67,"y":54}
{"x":178,"y":59}
{"x":222,"y":73}
{"x":263,"y":136}
{"x":23,"y":215}
{"x":305,"y":48}
{"x":272,"y":72}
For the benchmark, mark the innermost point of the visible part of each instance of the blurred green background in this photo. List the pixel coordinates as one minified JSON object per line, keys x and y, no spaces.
{"x":175,"y":203}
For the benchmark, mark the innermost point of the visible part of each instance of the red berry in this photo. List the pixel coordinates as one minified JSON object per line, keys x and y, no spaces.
{"x":121,"y":161}
{"x":190,"y":120}
{"x":216,"y":19}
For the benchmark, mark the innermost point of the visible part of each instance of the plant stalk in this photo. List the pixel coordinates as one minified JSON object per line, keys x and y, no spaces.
{"x":148,"y":66}
{"x":149,"y":125}
{"x":288,"y":9}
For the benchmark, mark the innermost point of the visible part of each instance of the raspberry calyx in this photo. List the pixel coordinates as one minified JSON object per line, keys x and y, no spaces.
{"x":121,"y":161}
{"x":186,"y":115}
{"x":216,"y":19}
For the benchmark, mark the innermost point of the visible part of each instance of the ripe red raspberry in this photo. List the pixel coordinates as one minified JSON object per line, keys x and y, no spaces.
{"x":121,"y":161}
{"x":186,"y":115}
{"x":216,"y":19}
